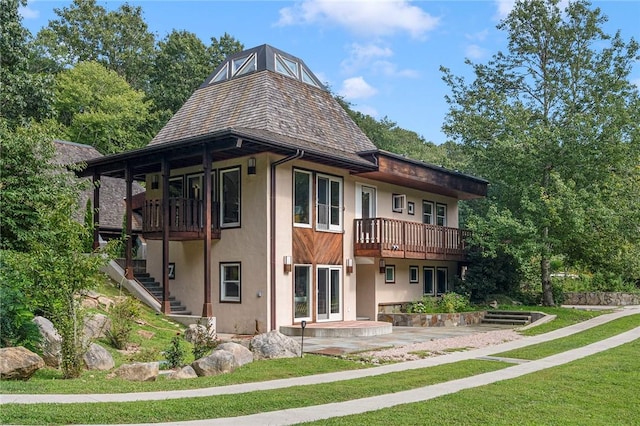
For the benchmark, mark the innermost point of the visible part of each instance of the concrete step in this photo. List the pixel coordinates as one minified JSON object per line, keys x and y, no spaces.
{"x":507,"y":317}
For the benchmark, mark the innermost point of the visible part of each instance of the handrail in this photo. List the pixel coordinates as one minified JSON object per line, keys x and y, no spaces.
{"x":185,"y":215}
{"x":409,"y":237}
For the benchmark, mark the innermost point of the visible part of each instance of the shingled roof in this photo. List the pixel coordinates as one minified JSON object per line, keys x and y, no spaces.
{"x":272,"y":95}
{"x":113,"y":191}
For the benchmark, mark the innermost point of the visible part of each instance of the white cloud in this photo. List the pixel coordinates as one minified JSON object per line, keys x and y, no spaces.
{"x":368,"y":18}
{"x":479,"y":36}
{"x":504,"y":8}
{"x":391,"y":70}
{"x":366,"y":109}
{"x":27,"y":13}
{"x":473,"y":51}
{"x":361,"y":56}
{"x":356,"y":88}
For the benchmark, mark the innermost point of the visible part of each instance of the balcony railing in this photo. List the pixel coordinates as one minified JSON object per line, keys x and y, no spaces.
{"x":380,"y":237}
{"x":186,"y":217}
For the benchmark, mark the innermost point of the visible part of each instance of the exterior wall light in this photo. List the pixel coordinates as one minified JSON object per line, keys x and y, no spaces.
{"x":251,"y":166}
{"x":287,"y":264}
{"x":349,"y":263}
{"x":382,"y":265}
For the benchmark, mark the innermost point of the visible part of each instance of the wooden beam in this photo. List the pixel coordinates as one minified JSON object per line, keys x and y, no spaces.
{"x":129,"y":224}
{"x":166,"y":172}
{"x":207,"y":307}
{"x":96,"y":211}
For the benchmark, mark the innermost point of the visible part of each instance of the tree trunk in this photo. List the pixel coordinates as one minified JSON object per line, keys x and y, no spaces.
{"x":545,"y":268}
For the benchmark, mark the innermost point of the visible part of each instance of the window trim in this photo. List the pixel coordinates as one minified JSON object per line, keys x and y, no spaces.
{"x":390,"y":278}
{"x":221,"y":173}
{"x":444,"y":218}
{"x":414,"y":269}
{"x":401,"y":199}
{"x":446,"y":280}
{"x":311,"y":301}
{"x":223,"y":297}
{"x":431,"y":215}
{"x":433,"y":279}
{"x":330,"y":227}
{"x":309,"y":202}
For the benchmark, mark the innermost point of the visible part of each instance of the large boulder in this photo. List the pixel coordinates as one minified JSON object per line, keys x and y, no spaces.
{"x":138,"y":371}
{"x":19,"y":363}
{"x":200,"y":331}
{"x":98,"y":358}
{"x":274,"y":345}
{"x":51,"y":342}
{"x":186,"y":372}
{"x":240,"y":353}
{"x":218,"y":362}
{"x":96,"y":326}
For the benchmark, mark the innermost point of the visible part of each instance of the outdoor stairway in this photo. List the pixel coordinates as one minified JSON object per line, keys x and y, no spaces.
{"x":507,"y":317}
{"x":155,"y":289}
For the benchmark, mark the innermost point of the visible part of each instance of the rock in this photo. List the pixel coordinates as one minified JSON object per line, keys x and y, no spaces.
{"x":274,"y":345}
{"x":19,"y":363}
{"x":98,"y":358}
{"x":494,"y":304}
{"x":51,"y":342}
{"x":240,"y":353}
{"x":184,"y":373}
{"x":194,"y":330}
{"x":96,"y":326}
{"x":138,"y":371}
{"x":217,"y":363}
{"x":105,"y":301}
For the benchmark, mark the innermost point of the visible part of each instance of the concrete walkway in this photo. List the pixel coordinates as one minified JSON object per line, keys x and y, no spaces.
{"x":298,"y":415}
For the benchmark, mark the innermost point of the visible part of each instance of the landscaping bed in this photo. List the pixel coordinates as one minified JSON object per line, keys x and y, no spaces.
{"x":433,"y":320}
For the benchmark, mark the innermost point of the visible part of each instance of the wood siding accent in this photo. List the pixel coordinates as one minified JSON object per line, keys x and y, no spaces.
{"x":317,"y":248}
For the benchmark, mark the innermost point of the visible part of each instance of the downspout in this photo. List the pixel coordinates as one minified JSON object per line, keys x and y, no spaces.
{"x":272,"y":227}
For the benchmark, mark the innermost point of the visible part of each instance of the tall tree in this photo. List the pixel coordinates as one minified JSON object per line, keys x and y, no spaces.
{"x":219,"y":49}
{"x":118,"y":39}
{"x":99,"y":108}
{"x":23,"y":94}
{"x":553,"y":124}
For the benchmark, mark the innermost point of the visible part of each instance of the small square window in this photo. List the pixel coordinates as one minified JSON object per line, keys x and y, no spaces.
{"x":411,"y":208}
{"x":399,"y":202}
{"x":390,"y":274}
{"x":413,"y":275}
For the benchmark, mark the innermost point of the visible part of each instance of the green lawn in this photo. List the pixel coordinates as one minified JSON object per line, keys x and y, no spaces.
{"x":601,"y":389}
{"x":564,"y":317}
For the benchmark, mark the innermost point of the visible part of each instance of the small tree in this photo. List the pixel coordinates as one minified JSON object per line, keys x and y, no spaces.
{"x":123,"y":314}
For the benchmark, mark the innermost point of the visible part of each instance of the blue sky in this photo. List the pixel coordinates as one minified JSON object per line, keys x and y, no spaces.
{"x":383,"y":57}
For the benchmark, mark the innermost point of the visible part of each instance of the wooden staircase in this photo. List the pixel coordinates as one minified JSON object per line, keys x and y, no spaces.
{"x":507,"y":317}
{"x":155,"y":289}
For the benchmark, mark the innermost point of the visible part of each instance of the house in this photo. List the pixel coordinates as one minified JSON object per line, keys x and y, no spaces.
{"x":266,"y":205}
{"x":112,"y":192}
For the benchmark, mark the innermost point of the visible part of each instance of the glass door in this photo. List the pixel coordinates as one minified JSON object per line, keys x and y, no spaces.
{"x":329,"y":294}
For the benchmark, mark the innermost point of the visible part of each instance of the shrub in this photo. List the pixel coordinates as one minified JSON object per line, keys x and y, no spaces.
{"x":425,"y":305}
{"x":123,"y":314}
{"x":175,"y":354}
{"x":204,"y":340}
{"x":453,"y":302}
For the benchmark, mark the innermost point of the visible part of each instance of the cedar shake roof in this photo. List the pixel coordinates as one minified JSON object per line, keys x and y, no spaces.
{"x":113,"y":191}
{"x":272,"y":105}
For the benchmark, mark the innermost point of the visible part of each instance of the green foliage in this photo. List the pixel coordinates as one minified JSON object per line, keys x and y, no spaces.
{"x":203,"y":339}
{"x":87,"y":241}
{"x":99,"y":108}
{"x":447,"y":303}
{"x":175,"y":354}
{"x":552,"y":123}
{"x":24,"y":93}
{"x":123,"y":314}
{"x":16,"y":310}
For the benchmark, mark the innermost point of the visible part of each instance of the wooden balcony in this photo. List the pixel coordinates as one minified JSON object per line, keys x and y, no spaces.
{"x":380,"y":237}
{"x":186,"y":219}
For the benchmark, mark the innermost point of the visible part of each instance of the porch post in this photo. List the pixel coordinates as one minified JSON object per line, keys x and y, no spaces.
{"x":129,"y":219}
{"x":166,"y":171}
{"x":96,"y":210}
{"x":207,"y":308}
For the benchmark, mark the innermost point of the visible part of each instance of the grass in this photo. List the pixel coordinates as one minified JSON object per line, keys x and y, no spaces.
{"x":583,"y":338}
{"x":564,"y":317}
{"x":601,"y":389}
{"x":240,"y":404}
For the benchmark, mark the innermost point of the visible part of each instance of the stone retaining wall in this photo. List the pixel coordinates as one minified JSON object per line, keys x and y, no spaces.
{"x":601,"y":298}
{"x":433,"y":320}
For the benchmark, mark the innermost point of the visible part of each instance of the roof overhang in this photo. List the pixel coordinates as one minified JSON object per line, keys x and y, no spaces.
{"x":224,"y":144}
{"x":402,"y":171}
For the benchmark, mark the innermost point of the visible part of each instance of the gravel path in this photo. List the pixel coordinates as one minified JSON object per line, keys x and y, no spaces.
{"x":442,"y":346}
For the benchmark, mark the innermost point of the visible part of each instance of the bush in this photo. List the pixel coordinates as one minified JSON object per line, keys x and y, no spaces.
{"x":175,"y":354}
{"x":123,"y":314}
{"x":448,"y":302}
{"x":204,"y":340}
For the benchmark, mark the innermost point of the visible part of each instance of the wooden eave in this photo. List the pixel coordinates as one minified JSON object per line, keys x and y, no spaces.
{"x":414,"y":174}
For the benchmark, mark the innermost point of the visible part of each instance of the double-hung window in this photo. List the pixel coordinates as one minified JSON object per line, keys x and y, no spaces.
{"x":302,"y":198}
{"x":329,"y":203}
{"x":230,"y":197}
{"x":427,"y":212}
{"x":230,"y":282}
{"x":441,"y":214}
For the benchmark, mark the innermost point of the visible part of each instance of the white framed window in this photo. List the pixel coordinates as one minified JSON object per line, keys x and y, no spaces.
{"x":194,"y":187}
{"x":302,"y":181}
{"x":413,"y":275}
{"x":329,"y":203}
{"x":328,"y":293}
{"x":390,"y":274}
{"x":441,"y":214}
{"x":230,"y":197}
{"x":428,"y":275}
{"x":398,"y":203}
{"x":442,"y":280}
{"x":427,"y":212}
{"x":302,"y":295}
{"x":230,"y":290}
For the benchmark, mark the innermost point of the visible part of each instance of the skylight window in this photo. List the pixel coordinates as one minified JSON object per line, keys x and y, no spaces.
{"x":307,"y":78}
{"x":222,"y":74}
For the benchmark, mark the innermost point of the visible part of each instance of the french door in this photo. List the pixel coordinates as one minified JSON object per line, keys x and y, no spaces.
{"x":329,"y":293}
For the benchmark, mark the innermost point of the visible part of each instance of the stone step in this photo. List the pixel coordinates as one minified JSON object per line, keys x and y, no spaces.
{"x":507,"y":316}
{"x":502,"y":312}
{"x":505,"y":321}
